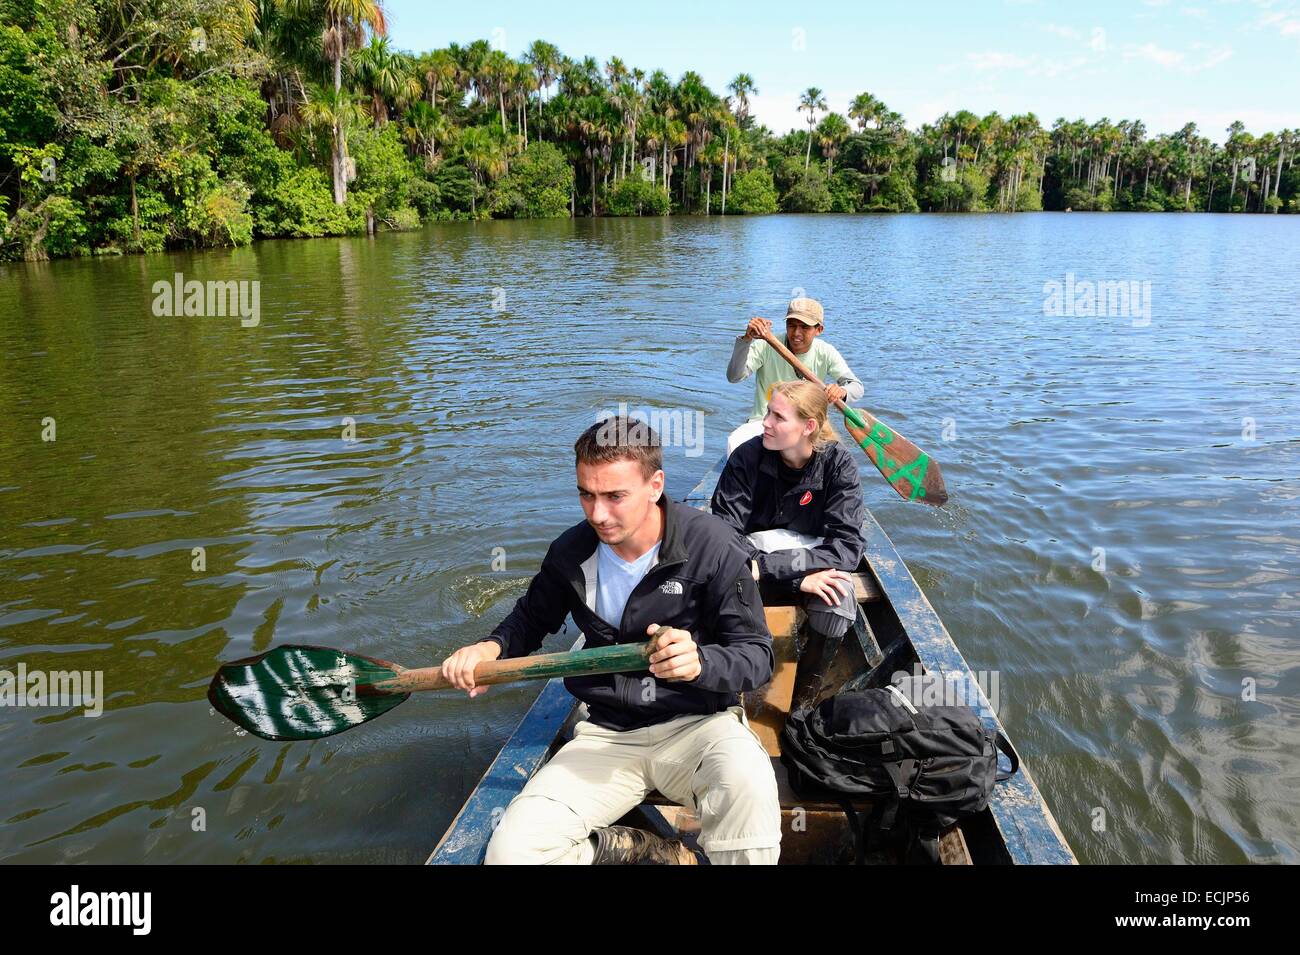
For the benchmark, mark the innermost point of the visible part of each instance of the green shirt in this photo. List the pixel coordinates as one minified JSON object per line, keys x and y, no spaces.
{"x":769,"y":367}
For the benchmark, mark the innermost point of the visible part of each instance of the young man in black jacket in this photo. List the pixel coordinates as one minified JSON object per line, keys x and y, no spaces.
{"x":637,"y":562}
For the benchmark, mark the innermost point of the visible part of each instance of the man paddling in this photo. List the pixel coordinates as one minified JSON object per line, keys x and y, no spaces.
{"x":640,"y":562}
{"x":804,"y":322}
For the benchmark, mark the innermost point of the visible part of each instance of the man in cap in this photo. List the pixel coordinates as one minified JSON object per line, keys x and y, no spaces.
{"x":804,"y":322}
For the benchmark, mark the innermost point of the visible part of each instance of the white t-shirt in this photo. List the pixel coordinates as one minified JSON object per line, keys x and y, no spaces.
{"x":615,"y":579}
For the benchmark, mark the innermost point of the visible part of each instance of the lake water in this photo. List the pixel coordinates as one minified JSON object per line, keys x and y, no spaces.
{"x":1122,"y":542}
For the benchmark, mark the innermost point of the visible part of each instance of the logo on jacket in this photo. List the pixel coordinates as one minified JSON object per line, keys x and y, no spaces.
{"x":672,"y":587}
{"x":807,"y":497}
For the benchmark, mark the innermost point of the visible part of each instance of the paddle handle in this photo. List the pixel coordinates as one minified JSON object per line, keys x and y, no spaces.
{"x":618,"y":658}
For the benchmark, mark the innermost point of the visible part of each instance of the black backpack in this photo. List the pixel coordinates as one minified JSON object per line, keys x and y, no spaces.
{"x":929,"y":765}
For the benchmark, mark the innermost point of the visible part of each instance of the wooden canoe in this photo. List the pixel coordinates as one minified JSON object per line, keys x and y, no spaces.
{"x":896,"y":629}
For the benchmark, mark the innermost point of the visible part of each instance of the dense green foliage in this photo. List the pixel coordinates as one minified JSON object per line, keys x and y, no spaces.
{"x":634,"y":195}
{"x":139,"y":125}
{"x":538,"y":186}
{"x":754,"y":193}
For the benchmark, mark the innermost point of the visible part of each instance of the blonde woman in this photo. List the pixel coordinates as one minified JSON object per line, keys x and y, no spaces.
{"x":795,"y":493}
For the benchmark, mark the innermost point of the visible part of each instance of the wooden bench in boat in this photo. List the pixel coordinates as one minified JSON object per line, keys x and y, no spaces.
{"x":767,"y":709}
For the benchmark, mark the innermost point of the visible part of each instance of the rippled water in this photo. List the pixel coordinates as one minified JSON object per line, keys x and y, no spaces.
{"x":469,"y":356}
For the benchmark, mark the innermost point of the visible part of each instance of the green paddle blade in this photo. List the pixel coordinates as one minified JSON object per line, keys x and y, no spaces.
{"x":296,"y":692}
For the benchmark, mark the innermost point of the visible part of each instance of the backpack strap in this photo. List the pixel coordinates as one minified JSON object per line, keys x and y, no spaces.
{"x":1004,"y":744}
{"x":860,"y":826}
{"x":900,"y":773}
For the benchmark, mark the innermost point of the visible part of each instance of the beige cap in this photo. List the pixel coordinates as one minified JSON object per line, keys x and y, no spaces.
{"x":806,"y":310}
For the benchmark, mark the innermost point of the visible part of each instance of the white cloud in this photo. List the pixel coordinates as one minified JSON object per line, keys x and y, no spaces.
{"x":1214,"y":59}
{"x":1069,"y":33}
{"x":1175,"y":59}
{"x":992,"y":60}
{"x":1154,"y":54}
{"x":1284,"y":22}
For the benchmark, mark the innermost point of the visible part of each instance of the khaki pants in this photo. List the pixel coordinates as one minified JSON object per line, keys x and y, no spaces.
{"x":714,"y":765}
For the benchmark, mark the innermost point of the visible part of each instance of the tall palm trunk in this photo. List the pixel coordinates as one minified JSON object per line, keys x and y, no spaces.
{"x":338,"y":160}
{"x":726,"y":164}
{"x":135,"y":212}
{"x":1277,"y":183}
{"x":339,"y":166}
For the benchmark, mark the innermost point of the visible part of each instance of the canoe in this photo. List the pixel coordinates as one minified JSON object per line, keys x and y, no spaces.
{"x":896,"y":630}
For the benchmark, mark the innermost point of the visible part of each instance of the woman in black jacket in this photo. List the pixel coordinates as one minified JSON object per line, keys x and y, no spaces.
{"x":797,"y":477}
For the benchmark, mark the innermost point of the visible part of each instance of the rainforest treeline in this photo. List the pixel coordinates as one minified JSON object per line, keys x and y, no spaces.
{"x":140,"y":125}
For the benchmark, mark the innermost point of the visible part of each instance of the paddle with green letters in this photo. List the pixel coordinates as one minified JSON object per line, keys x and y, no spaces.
{"x":299,"y":692}
{"x":909,"y":470}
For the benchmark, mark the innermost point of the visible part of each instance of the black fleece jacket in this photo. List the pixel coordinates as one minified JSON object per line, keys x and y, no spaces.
{"x":826,"y":502}
{"x":701,"y":584}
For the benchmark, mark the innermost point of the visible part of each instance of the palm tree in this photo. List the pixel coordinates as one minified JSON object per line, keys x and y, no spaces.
{"x":290,"y":42}
{"x":440,"y":71}
{"x":1285,"y":140}
{"x":729,"y":125}
{"x":334,"y":110}
{"x":675,"y":135}
{"x":496,"y":72}
{"x":597,"y":131}
{"x":831,"y":133}
{"x":812,"y":101}
{"x":384,"y":74}
{"x":742,"y":88}
{"x":423,"y":128}
{"x":694,"y":102}
{"x":710,"y":156}
{"x":544,"y":58}
{"x":1234,"y":147}
{"x":865,"y":108}
{"x":485,"y":155}
{"x":346,"y":24}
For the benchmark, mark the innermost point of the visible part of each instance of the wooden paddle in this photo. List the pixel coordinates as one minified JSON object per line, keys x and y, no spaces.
{"x":909,"y":470}
{"x":301,"y":692}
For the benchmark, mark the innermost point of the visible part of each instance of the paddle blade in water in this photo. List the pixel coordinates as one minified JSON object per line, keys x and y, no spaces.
{"x":296,"y":692}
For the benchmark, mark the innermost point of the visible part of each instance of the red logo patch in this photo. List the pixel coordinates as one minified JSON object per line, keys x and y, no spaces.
{"x":807,"y":496}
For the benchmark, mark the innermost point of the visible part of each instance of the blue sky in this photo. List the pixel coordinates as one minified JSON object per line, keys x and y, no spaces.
{"x":1165,"y":62}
